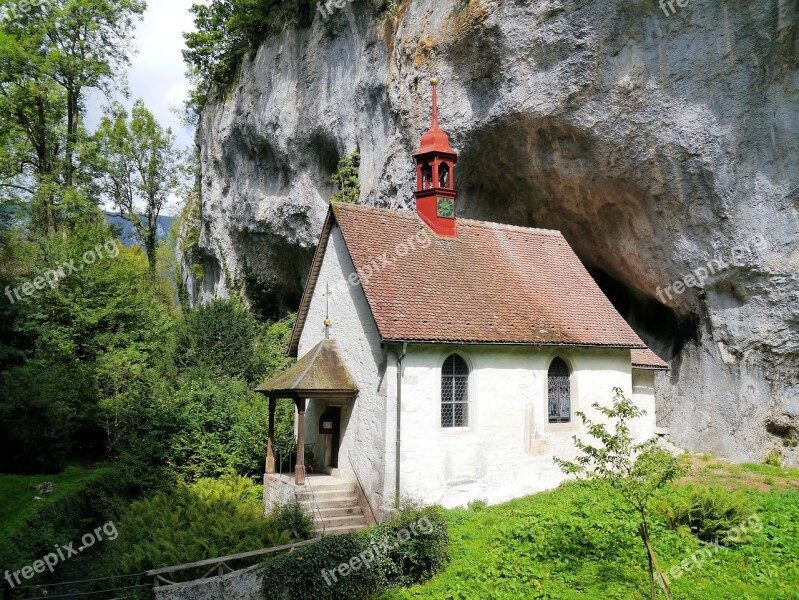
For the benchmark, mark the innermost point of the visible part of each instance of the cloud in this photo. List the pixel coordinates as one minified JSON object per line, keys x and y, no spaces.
{"x":157,"y":73}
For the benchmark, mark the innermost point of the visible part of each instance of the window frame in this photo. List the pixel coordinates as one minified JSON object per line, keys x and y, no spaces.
{"x":571,"y":424}
{"x":468,"y":390}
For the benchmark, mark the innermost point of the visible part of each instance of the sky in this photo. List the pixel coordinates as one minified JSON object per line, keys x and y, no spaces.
{"x":157,"y":73}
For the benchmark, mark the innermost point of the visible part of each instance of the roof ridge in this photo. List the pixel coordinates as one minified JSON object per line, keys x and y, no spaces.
{"x":410,"y":214}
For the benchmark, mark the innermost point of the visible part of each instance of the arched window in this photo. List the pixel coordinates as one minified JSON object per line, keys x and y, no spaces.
{"x":455,"y":392}
{"x":427,"y":176}
{"x":443,"y":175}
{"x":560,"y":402}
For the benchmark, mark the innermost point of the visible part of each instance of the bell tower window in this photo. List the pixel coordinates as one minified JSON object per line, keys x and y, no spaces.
{"x":427,"y":176}
{"x":443,"y":176}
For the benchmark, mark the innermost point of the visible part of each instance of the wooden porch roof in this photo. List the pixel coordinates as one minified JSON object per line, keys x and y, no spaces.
{"x":320,"y":374}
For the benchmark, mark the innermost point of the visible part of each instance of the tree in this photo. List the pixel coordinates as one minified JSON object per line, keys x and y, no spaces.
{"x":346,"y":179}
{"x":637,"y":471}
{"x":228,"y":30}
{"x":138,"y":166}
{"x":52,"y":54}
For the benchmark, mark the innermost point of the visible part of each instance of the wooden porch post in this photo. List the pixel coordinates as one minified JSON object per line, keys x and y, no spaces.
{"x":270,"y":446}
{"x":299,"y":471}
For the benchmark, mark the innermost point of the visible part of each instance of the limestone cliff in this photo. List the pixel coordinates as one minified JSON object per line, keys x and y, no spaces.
{"x":662,"y":141}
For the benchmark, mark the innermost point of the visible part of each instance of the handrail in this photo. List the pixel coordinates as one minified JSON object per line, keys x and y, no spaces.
{"x":315,"y":505}
{"x":221,"y":561}
{"x":363,"y":491}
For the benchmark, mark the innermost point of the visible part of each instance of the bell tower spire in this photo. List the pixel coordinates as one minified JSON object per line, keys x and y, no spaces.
{"x":435,"y":177}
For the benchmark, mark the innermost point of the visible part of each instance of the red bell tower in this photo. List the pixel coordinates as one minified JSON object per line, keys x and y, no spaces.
{"x":435,"y":177}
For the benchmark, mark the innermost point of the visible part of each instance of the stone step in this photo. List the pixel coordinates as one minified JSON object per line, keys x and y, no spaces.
{"x":342,"y":530}
{"x":338,"y":502}
{"x":343,"y":486}
{"x":326,"y":513}
{"x":324,"y":494}
{"x":333,"y":522}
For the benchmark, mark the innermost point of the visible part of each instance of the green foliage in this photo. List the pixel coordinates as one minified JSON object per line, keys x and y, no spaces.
{"x":211,"y":423}
{"x":90,"y":500}
{"x":206,"y":519}
{"x":708,"y":513}
{"x":637,"y":471}
{"x":774,"y":459}
{"x":88,"y":337}
{"x":346,"y":179}
{"x":55,"y":52}
{"x":137,"y":169}
{"x":228,"y":30}
{"x":409,"y":548}
{"x":578,"y":541}
{"x":223,"y":339}
{"x":291,"y":517}
{"x":222,"y":428}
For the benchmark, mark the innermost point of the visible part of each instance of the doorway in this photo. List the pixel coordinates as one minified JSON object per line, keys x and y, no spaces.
{"x":330,"y":426}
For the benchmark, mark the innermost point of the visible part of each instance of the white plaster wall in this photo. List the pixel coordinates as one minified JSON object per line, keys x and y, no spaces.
{"x":508,"y":449}
{"x":362,"y":421}
{"x":644,"y":397}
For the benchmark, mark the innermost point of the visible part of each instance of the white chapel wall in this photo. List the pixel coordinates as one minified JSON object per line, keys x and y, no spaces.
{"x":508,"y":449}
{"x":363,"y":425}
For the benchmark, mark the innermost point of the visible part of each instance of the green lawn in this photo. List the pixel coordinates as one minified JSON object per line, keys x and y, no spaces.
{"x":17,"y":493}
{"x":578,"y":542}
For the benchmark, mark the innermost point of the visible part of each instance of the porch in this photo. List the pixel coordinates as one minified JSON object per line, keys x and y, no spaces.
{"x":319,"y":376}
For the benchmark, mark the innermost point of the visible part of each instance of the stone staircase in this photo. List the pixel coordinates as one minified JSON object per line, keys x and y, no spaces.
{"x":334,"y":505}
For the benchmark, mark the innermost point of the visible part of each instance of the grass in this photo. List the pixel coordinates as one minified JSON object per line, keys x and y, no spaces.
{"x":579,"y":541}
{"x":17,"y":493}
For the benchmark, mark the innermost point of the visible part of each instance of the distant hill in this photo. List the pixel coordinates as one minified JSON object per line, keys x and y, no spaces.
{"x":125,"y":229}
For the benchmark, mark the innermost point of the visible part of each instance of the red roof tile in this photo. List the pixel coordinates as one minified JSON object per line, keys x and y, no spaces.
{"x":646,"y":359}
{"x":493,"y":284}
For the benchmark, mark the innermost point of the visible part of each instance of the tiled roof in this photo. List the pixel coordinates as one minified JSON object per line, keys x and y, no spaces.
{"x":493,"y":284}
{"x":646,"y":359}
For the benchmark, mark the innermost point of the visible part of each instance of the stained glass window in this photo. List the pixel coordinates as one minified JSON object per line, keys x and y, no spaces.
{"x":559,"y":392}
{"x":455,"y":392}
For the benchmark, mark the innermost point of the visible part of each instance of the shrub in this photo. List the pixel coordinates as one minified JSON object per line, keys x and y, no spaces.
{"x":207,"y":519}
{"x":708,"y":513}
{"x":477,"y":505}
{"x":395,"y":555}
{"x":219,"y":340}
{"x":774,"y":459}
{"x":292,"y":517}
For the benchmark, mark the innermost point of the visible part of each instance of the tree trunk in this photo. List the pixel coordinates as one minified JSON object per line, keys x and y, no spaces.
{"x":653,"y":562}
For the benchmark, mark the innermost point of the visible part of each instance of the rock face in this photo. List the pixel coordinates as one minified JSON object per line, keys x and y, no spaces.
{"x":663,"y":142}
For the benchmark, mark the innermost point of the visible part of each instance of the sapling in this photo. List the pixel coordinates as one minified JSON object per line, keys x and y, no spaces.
{"x":637,"y":471}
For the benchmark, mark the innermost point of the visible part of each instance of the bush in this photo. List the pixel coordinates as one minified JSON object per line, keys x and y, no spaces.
{"x":207,"y":519}
{"x":774,"y":459}
{"x":219,"y":340}
{"x":408,"y":549}
{"x":708,"y":513}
